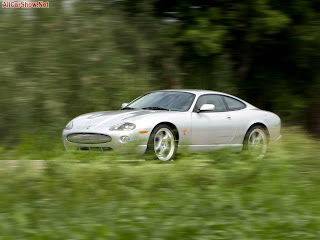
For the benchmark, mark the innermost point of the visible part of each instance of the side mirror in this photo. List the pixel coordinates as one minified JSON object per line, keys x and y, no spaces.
{"x":124,"y":105}
{"x":207,"y":107}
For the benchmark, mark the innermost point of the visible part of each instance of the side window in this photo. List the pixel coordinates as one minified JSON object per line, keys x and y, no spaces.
{"x":234,"y":104}
{"x":216,"y":100}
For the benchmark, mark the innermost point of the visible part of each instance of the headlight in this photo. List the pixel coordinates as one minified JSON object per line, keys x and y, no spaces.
{"x":123,"y":127}
{"x":69,"y":126}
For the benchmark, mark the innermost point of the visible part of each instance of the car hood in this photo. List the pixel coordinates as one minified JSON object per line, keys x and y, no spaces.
{"x":111,"y":117}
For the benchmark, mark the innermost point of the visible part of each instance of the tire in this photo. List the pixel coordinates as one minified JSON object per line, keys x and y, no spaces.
{"x":256,"y":141}
{"x":162,"y":144}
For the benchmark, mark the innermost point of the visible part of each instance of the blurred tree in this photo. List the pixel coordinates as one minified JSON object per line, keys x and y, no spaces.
{"x":70,"y":59}
{"x":265,"y":51}
{"x":56,"y":64}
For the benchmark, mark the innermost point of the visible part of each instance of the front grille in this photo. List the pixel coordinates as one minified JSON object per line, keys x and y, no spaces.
{"x":88,"y":138}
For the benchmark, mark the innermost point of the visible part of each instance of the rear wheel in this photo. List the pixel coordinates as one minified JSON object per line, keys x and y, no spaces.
{"x":162,"y":143}
{"x":256,"y":141}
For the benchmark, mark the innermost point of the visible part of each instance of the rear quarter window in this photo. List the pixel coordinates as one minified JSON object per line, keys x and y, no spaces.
{"x":234,"y":104}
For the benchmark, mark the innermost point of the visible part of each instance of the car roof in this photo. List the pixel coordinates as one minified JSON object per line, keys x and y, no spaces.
{"x":199,"y":92}
{"x":194,"y":91}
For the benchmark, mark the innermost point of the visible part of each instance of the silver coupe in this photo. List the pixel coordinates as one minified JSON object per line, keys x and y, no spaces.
{"x":162,"y":123}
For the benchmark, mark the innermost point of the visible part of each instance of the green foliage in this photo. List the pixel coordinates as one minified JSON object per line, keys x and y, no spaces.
{"x":63,"y":61}
{"x":70,"y":59}
{"x":272,"y":49}
{"x":207,"y":38}
{"x":215,"y":196}
{"x":57,"y":65}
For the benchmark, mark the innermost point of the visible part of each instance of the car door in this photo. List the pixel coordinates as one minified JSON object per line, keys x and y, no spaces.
{"x":212,"y":127}
{"x":237,"y":112}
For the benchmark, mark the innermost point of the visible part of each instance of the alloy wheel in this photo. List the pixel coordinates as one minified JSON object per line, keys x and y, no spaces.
{"x":257,"y":143}
{"x":164,"y":144}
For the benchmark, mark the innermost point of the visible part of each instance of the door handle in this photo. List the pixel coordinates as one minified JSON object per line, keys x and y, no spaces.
{"x":229,"y":117}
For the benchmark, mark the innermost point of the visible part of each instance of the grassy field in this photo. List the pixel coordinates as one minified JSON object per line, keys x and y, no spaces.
{"x":212,"y":196}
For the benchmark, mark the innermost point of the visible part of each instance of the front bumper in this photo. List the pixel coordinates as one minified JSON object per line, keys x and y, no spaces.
{"x":136,"y":144}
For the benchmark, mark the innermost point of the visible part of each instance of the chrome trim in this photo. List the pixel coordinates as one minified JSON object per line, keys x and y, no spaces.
{"x":88,"y":138}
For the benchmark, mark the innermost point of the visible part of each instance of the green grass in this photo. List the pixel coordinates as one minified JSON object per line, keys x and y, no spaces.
{"x":204,"y":196}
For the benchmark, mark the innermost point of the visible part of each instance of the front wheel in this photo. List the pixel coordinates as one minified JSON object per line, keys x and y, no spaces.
{"x":162,"y":143}
{"x":256,"y":141}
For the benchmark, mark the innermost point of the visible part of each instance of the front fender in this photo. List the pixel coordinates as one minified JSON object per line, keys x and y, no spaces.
{"x":182,"y":121}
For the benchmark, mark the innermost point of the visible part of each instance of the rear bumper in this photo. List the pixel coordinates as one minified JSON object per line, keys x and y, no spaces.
{"x":278,"y":138}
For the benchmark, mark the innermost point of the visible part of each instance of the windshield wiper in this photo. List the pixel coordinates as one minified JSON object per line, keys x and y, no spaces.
{"x":127,"y":108}
{"x":156,"y":108}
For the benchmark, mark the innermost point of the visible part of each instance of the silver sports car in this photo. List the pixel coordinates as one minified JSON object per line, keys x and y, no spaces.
{"x":163,"y":123}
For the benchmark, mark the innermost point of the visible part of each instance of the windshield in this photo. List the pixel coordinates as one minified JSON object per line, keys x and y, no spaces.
{"x":166,"y":100}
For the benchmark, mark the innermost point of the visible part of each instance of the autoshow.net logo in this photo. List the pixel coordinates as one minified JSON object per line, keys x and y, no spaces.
{"x":24,"y":4}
